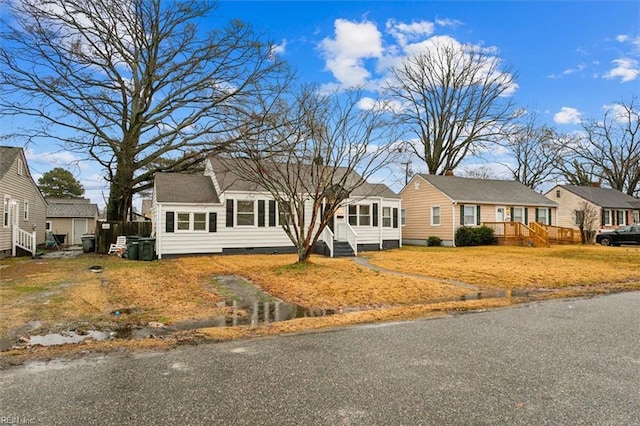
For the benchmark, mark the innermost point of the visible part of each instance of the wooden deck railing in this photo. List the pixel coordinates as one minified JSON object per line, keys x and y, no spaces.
{"x":536,"y":233}
{"x":563,"y":235}
{"x":519,"y":231}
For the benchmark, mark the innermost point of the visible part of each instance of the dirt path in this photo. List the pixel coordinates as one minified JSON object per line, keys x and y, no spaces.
{"x":364,"y":262}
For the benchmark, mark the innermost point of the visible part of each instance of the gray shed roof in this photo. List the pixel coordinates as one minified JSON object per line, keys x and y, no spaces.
{"x":184,"y":188}
{"x":487,"y":191}
{"x":604,"y":197}
{"x":229,"y":180}
{"x":69,"y":209}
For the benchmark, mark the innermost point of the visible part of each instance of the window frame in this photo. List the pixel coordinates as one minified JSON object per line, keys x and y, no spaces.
{"x":191,"y":222}
{"x":544,"y":213}
{"x":5,"y":213}
{"x":359,"y":215}
{"x":474,"y":207}
{"x":607,"y":217}
{"x":245,"y":214}
{"x":439,"y":216}
{"x":204,"y":221}
{"x":621,"y":214}
{"x":386,"y":218}
{"x":178,"y":222}
{"x":403,"y":217}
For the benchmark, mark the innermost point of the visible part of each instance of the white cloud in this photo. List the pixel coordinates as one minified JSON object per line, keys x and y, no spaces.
{"x":446,"y":22}
{"x":626,"y":69}
{"x":345,"y":53}
{"x":279,"y":49}
{"x":404,"y":33}
{"x":567,"y":115}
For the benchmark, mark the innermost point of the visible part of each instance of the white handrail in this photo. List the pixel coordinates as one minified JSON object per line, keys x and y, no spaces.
{"x":327,"y":237}
{"x":24,"y":240}
{"x":352,"y":239}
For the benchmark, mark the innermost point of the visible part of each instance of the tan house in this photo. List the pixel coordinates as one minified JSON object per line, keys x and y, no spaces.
{"x":435,"y":205}
{"x":612,"y":207}
{"x":70,"y":218}
{"x":23,"y":207}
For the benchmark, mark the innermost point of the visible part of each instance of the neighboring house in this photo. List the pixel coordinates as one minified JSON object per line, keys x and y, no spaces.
{"x":70,"y":218}
{"x":23,"y":214}
{"x":219,"y":212}
{"x":613,"y":208}
{"x":437,"y":206}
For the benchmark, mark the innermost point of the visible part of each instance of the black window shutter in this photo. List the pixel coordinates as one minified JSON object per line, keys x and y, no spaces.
{"x":261,"y":213}
{"x":170,"y":222}
{"x":229,"y":213}
{"x":477,"y":215}
{"x":375,"y":214}
{"x":602,"y":217}
{"x":526,"y":215}
{"x":213,"y":222}
{"x":461,"y":214}
{"x":395,"y":217}
{"x":537,"y":215}
{"x":272,"y":213}
{"x":512,"y":214}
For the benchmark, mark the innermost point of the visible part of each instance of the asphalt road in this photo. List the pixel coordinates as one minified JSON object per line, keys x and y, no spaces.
{"x":563,"y":362}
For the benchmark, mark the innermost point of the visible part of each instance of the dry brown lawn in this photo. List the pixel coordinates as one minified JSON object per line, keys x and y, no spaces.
{"x":64,"y":293}
{"x":519,"y":267}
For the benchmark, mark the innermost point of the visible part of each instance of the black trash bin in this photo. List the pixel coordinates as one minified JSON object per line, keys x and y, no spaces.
{"x":147,"y":248}
{"x":88,"y":243}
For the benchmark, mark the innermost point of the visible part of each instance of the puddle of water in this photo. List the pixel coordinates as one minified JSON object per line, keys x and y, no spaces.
{"x":67,"y":337}
{"x":495,"y":294}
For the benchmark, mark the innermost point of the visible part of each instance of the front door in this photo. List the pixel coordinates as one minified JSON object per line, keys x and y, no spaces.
{"x":500,"y":213}
{"x":79,"y":228}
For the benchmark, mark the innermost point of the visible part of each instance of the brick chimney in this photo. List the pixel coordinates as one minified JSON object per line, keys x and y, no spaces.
{"x":448,"y":172}
{"x":595,"y":184}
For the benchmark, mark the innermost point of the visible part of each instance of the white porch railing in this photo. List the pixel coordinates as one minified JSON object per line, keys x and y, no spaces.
{"x":352,"y":238}
{"x":327,"y":237}
{"x":24,"y":240}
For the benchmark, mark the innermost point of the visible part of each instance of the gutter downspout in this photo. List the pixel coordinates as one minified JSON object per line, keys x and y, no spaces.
{"x":453,"y":222}
{"x":380,"y":225}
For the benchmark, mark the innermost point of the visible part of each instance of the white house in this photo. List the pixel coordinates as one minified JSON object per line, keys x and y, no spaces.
{"x":219,"y":212}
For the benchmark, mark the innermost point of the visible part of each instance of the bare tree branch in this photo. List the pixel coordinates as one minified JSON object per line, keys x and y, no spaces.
{"x":133,"y":84}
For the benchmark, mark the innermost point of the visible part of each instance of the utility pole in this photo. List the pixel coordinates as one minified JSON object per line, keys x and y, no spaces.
{"x":407,"y":171}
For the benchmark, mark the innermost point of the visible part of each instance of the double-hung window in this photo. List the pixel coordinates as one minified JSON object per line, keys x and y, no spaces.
{"x":187,"y":221}
{"x":469,"y":215}
{"x":360,"y":215}
{"x":386,"y":217}
{"x":199,"y":221}
{"x":517,"y":214}
{"x":245,"y":213}
{"x":606,"y":217}
{"x":621,"y":216}
{"x":435,"y":215}
{"x":183,"y":221}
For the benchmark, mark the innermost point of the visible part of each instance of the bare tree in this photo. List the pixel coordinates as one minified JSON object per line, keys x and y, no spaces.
{"x":321,"y":154}
{"x":134,"y":85}
{"x":611,"y":146}
{"x":535,"y":149}
{"x":587,"y":217}
{"x":454,"y":100}
{"x":576,"y":173}
{"x":481,"y":172}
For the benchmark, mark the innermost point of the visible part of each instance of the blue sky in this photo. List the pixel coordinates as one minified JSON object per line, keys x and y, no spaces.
{"x":572,"y":58}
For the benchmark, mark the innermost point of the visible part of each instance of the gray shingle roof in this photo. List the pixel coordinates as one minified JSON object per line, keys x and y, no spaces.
{"x":603,"y":197}
{"x":487,"y":191}
{"x":184,"y":188}
{"x":228,"y":180}
{"x":69,"y":209}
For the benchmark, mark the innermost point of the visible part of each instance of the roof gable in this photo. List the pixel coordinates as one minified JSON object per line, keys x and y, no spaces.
{"x":603,"y":197}
{"x":487,"y":191}
{"x":184,"y":188}
{"x":228,"y":180}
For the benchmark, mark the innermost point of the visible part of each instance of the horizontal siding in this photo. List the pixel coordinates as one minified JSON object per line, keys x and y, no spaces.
{"x":21,"y":188}
{"x":242,"y":237}
{"x":417,"y":202}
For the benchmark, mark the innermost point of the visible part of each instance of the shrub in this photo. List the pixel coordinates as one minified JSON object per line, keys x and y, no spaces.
{"x":468,"y":236}
{"x":434,"y":241}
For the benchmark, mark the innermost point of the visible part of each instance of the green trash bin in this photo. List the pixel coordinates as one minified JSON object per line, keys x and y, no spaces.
{"x":133,"y":249}
{"x":147,"y":248}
